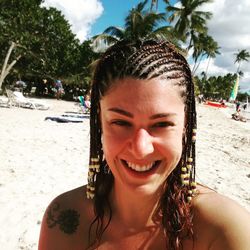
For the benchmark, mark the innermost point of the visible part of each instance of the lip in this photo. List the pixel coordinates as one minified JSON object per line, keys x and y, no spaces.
{"x":143,"y":173}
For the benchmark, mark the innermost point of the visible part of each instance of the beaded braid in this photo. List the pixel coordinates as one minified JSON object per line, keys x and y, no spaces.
{"x":145,"y":60}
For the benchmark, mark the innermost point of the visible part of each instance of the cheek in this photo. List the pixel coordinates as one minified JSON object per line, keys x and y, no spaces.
{"x":109,"y":144}
{"x":172,"y":146}
{"x":112,"y":143}
{"x":112,"y":146}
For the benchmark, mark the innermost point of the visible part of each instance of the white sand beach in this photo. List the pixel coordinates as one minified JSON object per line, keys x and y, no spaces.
{"x":41,"y":159}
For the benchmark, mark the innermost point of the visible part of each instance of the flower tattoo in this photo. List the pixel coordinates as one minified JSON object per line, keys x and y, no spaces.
{"x":68,"y":220}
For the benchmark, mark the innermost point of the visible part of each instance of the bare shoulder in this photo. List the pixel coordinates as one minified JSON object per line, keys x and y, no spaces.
{"x":221,"y":220}
{"x":66,"y":221}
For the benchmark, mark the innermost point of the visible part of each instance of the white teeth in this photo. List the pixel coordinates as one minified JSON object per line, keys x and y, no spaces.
{"x":140,"y":168}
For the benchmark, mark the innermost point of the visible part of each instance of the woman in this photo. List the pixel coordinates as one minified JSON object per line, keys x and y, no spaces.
{"x":238,"y":116}
{"x":141,"y":191}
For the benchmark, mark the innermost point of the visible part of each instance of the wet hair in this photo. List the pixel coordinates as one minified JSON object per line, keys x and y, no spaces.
{"x":145,"y":59}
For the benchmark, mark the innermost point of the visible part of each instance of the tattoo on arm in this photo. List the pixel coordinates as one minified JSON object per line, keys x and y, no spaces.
{"x":68,"y":219}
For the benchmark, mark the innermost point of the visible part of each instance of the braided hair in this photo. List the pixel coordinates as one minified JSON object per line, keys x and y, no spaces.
{"x":145,"y":59}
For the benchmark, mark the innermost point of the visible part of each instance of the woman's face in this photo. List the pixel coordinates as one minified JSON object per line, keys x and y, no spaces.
{"x":142,"y":128}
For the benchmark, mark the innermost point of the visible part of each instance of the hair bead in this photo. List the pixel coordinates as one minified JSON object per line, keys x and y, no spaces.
{"x":94,"y":168}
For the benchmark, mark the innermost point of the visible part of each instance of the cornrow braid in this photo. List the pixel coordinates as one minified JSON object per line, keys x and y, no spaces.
{"x":145,"y":59}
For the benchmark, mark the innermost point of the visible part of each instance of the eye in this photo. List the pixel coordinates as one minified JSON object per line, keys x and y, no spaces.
{"x":163,"y":124}
{"x":121,"y":123}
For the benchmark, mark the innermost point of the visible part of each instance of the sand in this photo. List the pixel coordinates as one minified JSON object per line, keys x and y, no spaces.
{"x":41,"y":159}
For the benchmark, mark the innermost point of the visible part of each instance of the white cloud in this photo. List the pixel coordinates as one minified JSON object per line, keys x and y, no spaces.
{"x":229,"y":26}
{"x":81,"y":14}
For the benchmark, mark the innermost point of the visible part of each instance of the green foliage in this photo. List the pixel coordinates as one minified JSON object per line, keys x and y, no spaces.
{"x":82,"y":72}
{"x":47,"y":46}
{"x":242,"y":55}
{"x":215,"y":87}
{"x":242,"y":97}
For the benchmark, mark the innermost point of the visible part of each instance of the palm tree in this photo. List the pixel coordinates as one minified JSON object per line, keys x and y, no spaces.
{"x":199,"y":50}
{"x":204,"y":45}
{"x":242,"y":55}
{"x":212,"y":49}
{"x":138,"y":24}
{"x":189,"y":21}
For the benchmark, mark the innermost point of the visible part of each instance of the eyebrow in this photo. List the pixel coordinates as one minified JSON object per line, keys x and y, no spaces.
{"x":128,"y":114}
{"x":162,"y":115}
{"x":121,"y":111}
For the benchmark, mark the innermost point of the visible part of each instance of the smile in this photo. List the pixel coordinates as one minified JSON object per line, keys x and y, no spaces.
{"x":141,"y":168}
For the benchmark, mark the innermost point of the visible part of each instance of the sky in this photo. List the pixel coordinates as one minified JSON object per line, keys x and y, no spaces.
{"x":229,"y":26}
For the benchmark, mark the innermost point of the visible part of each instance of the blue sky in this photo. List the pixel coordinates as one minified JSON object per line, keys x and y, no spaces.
{"x":228,"y":26}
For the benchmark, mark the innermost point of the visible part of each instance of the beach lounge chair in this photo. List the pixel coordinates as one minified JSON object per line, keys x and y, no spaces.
{"x":68,"y":117}
{"x":11,"y":98}
{"x":4,"y":102}
{"x":19,"y":100}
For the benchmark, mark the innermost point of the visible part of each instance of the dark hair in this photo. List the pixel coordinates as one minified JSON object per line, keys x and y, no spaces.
{"x":145,"y":59}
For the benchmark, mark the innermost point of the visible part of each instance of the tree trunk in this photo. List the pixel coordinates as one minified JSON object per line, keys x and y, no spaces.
{"x":6,"y":68}
{"x":238,"y":69}
{"x":196,"y":65}
{"x":208,"y":64}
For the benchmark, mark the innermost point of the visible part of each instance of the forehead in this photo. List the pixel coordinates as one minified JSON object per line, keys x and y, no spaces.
{"x":143,"y":87}
{"x":148,"y":96}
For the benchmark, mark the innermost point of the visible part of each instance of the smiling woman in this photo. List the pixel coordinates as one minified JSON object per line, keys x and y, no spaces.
{"x":141,"y":191}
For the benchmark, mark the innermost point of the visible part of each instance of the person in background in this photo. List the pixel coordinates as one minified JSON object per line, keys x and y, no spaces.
{"x":238,"y":116}
{"x":237,"y":105}
{"x":59,"y":89}
{"x":44,"y":88}
{"x":244,"y":106}
{"x":141,"y":191}
{"x":200,"y":98}
{"x":87,"y":101}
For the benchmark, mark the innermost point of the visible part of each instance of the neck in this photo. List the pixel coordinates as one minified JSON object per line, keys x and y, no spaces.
{"x":134,"y":208}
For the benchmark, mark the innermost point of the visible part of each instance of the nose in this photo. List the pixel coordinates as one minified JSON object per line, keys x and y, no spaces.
{"x":141,"y":144}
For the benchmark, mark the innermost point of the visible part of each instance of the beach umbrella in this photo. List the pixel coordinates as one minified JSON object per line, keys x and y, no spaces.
{"x":234,"y":91}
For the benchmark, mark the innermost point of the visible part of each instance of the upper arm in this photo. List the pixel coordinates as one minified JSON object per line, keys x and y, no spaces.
{"x":63,"y":225}
{"x":47,"y":239}
{"x":49,"y":236}
{"x":59,"y":227}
